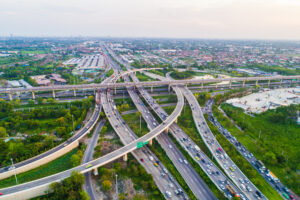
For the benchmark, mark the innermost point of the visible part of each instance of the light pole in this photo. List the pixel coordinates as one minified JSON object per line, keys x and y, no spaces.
{"x":12,"y":164}
{"x":117,"y":187}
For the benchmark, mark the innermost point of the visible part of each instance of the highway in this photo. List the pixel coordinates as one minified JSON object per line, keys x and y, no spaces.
{"x":149,"y":83}
{"x":276,"y":184}
{"x":219,"y":154}
{"x":191,"y":177}
{"x":88,"y":156}
{"x":165,"y":181}
{"x":193,"y":180}
{"x":212,"y":171}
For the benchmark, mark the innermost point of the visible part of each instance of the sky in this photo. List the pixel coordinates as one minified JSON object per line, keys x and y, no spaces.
{"x":215,"y":19}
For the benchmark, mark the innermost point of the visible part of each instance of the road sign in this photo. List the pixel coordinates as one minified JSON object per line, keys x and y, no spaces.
{"x":141,"y":144}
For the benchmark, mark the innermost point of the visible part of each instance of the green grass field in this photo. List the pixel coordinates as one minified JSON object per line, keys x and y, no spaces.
{"x":58,"y":165}
{"x":244,"y":165}
{"x":261,"y":135}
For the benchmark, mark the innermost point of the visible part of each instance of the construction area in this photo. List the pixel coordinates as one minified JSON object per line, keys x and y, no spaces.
{"x":267,"y":99}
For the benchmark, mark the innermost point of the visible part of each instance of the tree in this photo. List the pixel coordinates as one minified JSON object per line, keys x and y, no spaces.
{"x":51,"y":100}
{"x":3,"y":133}
{"x":270,"y":158}
{"x":31,"y":102}
{"x":75,"y":160}
{"x":40,"y":100}
{"x":106,"y":185}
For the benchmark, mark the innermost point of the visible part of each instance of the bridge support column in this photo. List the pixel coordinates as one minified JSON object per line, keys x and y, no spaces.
{"x":244,"y":83}
{"x":53,"y":93}
{"x":167,"y":130}
{"x":202,"y":85}
{"x":33,"y":95}
{"x":176,"y":120}
{"x":256,"y":83}
{"x":169,"y":88}
{"x":216,"y":85}
{"x":151,"y":89}
{"x":115,"y":90}
{"x":280,"y":82}
{"x":269,"y":83}
{"x":230,"y":82}
{"x":74,"y":92}
{"x":150,"y":142}
{"x":95,"y":171}
{"x":134,"y":72}
{"x":125,"y":158}
{"x":94,"y":92}
{"x":10,"y":96}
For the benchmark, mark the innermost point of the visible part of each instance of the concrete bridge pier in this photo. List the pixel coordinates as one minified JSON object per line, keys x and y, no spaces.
{"x":115,"y":90}
{"x":202,"y":85}
{"x":176,"y":120}
{"x":33,"y":95}
{"x":53,"y":94}
{"x":150,"y":142}
{"x":216,"y":85}
{"x":10,"y":96}
{"x":95,"y":171}
{"x":230,"y":82}
{"x":256,"y":83}
{"x":125,"y":158}
{"x":269,"y":83}
{"x":74,"y":92}
{"x":244,"y":83}
{"x":151,"y":89}
{"x":167,"y":130}
{"x":169,"y":88}
{"x":280,"y":82}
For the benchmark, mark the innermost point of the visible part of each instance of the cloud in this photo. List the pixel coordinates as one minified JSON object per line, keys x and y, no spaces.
{"x":267,"y":19}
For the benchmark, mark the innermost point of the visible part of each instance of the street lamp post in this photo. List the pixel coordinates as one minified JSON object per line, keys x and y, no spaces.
{"x":12,"y":162}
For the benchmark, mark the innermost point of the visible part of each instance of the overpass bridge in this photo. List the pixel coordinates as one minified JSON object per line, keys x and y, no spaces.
{"x":151,"y":84}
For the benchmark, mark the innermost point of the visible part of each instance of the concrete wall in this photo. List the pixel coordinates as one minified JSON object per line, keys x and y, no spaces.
{"x":27,"y":194}
{"x":40,"y":162}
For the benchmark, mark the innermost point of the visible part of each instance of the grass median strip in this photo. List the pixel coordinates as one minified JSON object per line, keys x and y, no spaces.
{"x":58,"y":165}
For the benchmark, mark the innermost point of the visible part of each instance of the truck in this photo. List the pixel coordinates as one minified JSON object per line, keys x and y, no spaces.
{"x":272,"y":176}
{"x":232,"y":192}
{"x":197,"y":148}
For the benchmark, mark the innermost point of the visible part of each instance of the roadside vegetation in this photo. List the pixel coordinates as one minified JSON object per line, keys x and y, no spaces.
{"x":58,"y":165}
{"x":262,"y":132}
{"x":142,"y":77}
{"x":244,"y":165}
{"x":69,"y":188}
{"x":32,"y":132}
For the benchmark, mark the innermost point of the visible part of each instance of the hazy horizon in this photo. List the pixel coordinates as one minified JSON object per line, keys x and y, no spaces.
{"x":174,"y":19}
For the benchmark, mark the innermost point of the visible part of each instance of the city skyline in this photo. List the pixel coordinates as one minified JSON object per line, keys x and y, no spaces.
{"x":216,"y":19}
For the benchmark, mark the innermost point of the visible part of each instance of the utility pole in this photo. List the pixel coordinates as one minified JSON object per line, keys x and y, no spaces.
{"x":14,"y":170}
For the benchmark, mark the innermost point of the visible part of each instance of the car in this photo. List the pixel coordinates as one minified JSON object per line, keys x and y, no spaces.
{"x":1,"y":193}
{"x":142,"y":159}
{"x":241,"y":180}
{"x":165,"y":170}
{"x":222,"y":187}
{"x":176,"y":192}
{"x":170,"y":146}
{"x":258,"y":193}
{"x":197,"y":158}
{"x":171,"y":185}
{"x":11,"y":168}
{"x":185,"y":161}
{"x":217,"y":172}
{"x":168,"y":194}
{"x":203,"y":160}
{"x":163,"y":174}
{"x":88,"y":166}
{"x":180,"y":160}
{"x":248,"y":188}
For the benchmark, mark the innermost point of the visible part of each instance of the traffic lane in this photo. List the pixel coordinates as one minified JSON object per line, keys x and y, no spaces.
{"x":278,"y":186}
{"x":213,"y":144}
{"x":187,"y":172}
{"x":127,"y":136}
